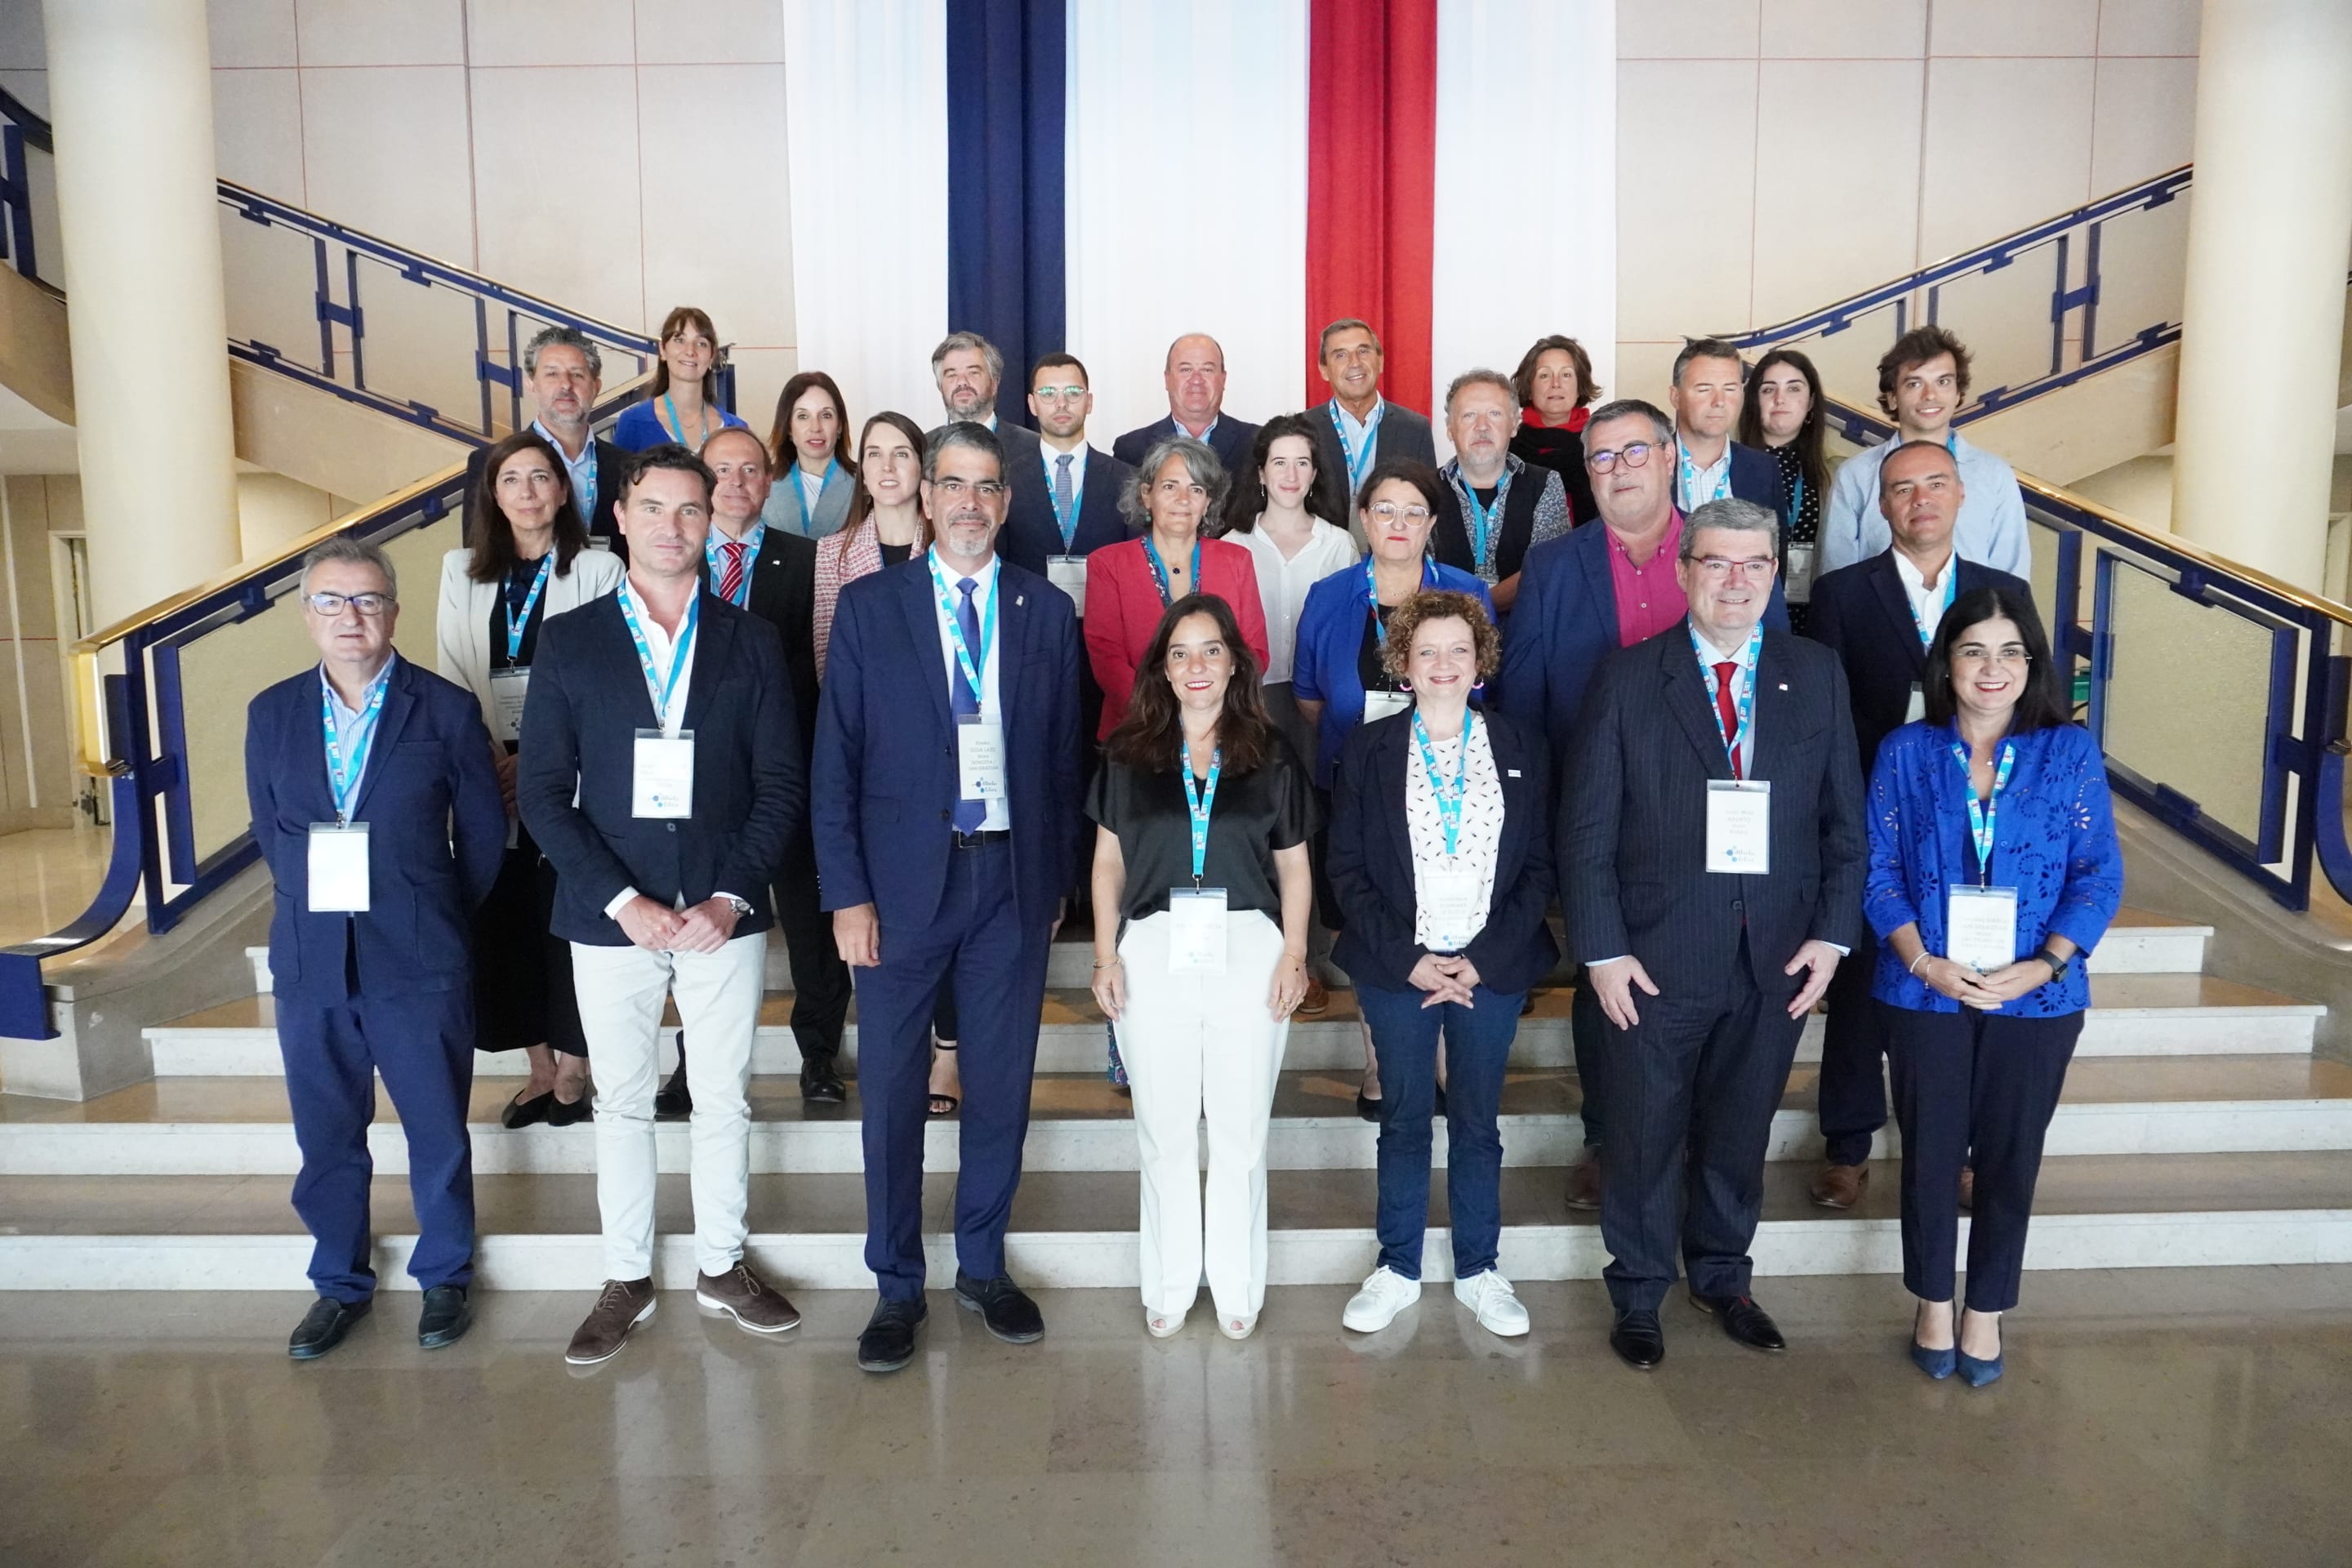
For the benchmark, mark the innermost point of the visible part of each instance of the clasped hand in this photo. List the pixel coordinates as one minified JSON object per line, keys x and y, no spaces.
{"x":705,"y":927}
{"x":1445,"y":979}
{"x":1951,"y":978}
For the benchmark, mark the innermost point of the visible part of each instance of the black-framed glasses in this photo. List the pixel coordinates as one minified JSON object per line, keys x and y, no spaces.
{"x":1634,"y":454}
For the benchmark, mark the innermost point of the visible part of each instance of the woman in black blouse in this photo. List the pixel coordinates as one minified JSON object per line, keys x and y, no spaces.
{"x":1782,"y":413}
{"x":1554,"y":383}
{"x":1204,"y":812}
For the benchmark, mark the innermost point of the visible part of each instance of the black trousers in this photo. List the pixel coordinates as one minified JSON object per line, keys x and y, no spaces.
{"x":1853,"y":1054}
{"x":1691,"y":1090}
{"x":1981,"y":1087}
{"x":821,"y":986}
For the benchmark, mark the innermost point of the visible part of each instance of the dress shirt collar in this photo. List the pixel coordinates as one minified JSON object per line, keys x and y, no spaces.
{"x":1358,"y":429}
{"x":344,"y":714}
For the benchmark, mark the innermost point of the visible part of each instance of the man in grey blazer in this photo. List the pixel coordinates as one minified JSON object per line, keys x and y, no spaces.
{"x":1356,"y":426}
{"x":1712,"y":858}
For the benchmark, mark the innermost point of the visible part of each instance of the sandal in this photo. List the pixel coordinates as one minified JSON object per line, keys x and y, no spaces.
{"x":522,"y":1113}
{"x":942,"y":1104}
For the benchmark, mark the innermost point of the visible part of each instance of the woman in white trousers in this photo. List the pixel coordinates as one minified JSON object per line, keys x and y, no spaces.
{"x":1201,"y":895}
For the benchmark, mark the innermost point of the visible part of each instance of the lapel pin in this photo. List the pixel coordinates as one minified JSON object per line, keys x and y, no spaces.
{"x":1784,"y":686}
{"x":1020,"y":599}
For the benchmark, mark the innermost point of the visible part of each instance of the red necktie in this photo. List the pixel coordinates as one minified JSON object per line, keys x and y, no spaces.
{"x":731,"y":576}
{"x":1727,"y":713}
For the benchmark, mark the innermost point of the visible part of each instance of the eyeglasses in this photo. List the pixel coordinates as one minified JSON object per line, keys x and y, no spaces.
{"x":332,"y":605}
{"x":1634,"y":454}
{"x":2008,"y":653}
{"x":1389,"y":512}
{"x":1718,"y":568}
{"x":956,"y":490}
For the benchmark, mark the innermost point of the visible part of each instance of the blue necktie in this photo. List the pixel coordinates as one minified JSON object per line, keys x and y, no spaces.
{"x":962,"y":700}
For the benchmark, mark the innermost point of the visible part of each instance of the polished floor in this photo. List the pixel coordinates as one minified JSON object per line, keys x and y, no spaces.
{"x":2149,"y":1418}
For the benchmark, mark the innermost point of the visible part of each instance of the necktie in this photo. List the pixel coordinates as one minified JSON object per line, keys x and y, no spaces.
{"x":1062,"y":490}
{"x":730,"y":575}
{"x":962,"y":700}
{"x":1727,"y":713}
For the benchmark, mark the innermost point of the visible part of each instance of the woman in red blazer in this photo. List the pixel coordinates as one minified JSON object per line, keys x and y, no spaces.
{"x":1178,"y":487}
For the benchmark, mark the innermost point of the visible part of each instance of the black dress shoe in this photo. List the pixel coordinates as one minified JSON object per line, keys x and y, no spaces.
{"x":888,"y":1341}
{"x":1743,"y":1320}
{"x":820,"y":1085}
{"x":446,"y":1316}
{"x":1638,"y":1340}
{"x":671,"y":1101}
{"x":1010,"y":1315}
{"x":563,"y":1113}
{"x":322,"y":1328}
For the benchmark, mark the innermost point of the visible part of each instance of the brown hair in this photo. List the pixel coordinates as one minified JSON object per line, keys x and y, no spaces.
{"x":782,"y":455}
{"x":494,"y":546}
{"x":680,"y":318}
{"x":1149,"y":739}
{"x":1811,"y":462}
{"x":861,"y":504}
{"x":1916,"y":348}
{"x":1438,"y":604}
{"x":1523,"y":379}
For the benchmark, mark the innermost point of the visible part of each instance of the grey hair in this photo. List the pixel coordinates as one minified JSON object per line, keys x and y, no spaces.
{"x":955,"y":340}
{"x":1344,"y":324}
{"x":962,"y":433}
{"x":1733,"y":516}
{"x":357,"y":552}
{"x":562,"y":337}
{"x":1625,"y":407}
{"x":1705,"y":348}
{"x":1481,"y":376}
{"x":1200,"y":461}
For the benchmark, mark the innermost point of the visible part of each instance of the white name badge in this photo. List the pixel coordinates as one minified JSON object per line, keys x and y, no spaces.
{"x":662,"y":783}
{"x":1980,"y":928}
{"x":338,"y":868}
{"x":1918,"y":709}
{"x":1798,"y":584}
{"x":1068,"y":573}
{"x":507,"y":690}
{"x":1196,"y":936}
{"x":1449,"y":905}
{"x":1739,"y":825}
{"x":980,"y":759}
{"x":1379,"y":705}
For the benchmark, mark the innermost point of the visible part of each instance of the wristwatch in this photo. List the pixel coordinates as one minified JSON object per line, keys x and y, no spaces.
{"x":743,"y":906}
{"x":2058,"y":966}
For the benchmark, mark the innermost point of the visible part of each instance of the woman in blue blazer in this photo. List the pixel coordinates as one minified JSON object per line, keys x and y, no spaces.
{"x":1440,"y":851}
{"x":681,"y":405}
{"x":1993,"y":872}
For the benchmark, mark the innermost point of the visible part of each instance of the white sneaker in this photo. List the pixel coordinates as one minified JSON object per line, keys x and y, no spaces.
{"x":1490,"y":1296}
{"x":1375,"y":1307}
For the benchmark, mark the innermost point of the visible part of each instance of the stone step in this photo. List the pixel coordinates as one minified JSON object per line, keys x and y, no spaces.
{"x":224,"y":1126}
{"x":1078,"y":1229}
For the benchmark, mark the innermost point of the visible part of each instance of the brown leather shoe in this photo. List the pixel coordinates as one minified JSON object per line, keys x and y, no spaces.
{"x":1317,"y":1001}
{"x":746,"y":1297}
{"x":1584,"y":1183}
{"x":623,"y":1305}
{"x":1840,"y":1186}
{"x":1968,"y":1187}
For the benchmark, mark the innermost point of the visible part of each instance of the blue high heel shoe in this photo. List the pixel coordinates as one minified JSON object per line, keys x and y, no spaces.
{"x":1979,"y":1373}
{"x":1937,"y":1364}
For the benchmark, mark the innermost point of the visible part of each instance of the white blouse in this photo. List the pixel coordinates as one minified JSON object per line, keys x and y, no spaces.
{"x":1282,"y":585}
{"x":1476,"y":845}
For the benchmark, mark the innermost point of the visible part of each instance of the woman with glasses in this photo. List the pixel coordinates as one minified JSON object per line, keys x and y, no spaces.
{"x":1339,"y":671}
{"x":816,"y":476}
{"x":680,"y":407}
{"x":532,"y":562}
{"x":1201,"y":899}
{"x":1993,"y":872}
{"x":1782,"y":413}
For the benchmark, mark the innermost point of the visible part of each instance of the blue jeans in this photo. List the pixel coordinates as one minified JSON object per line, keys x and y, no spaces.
{"x":1477,"y":1046}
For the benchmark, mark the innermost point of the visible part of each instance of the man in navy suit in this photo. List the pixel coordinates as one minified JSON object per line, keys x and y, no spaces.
{"x":662,"y":775}
{"x":1195,"y":377}
{"x":565,"y":375}
{"x":1602,"y":588}
{"x":969,"y":371}
{"x":1712,"y":859}
{"x":1709,"y":465}
{"x":1356,"y":426}
{"x":376,"y":806}
{"x":1878,"y":616}
{"x":946,"y":808}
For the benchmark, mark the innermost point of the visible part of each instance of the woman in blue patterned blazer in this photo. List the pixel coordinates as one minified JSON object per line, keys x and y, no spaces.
{"x":1993,"y":872}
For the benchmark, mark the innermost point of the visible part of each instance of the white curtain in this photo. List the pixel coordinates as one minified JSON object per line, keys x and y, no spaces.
{"x":866,"y":128}
{"x":1186,"y":198}
{"x":1526,"y":184}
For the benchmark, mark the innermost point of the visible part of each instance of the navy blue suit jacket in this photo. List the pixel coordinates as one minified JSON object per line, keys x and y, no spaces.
{"x":436,"y":835}
{"x":1030,"y":532}
{"x":1371,"y":859}
{"x":1230,"y":439}
{"x":1565,"y":623}
{"x":588,"y":701}
{"x":1756,"y":476}
{"x":884,"y":774}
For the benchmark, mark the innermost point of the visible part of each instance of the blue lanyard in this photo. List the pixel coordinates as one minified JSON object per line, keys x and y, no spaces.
{"x":1159,"y":568}
{"x":678,"y":426}
{"x":1690,"y":477}
{"x":1358,"y":459}
{"x":1449,"y":800}
{"x":1951,"y":591}
{"x":1984,"y":815}
{"x":660,"y":691}
{"x":1199,"y":804}
{"x":1797,"y":502}
{"x":1372,"y":594}
{"x":516,"y":622}
{"x":751,"y":544}
{"x":799,"y":501}
{"x":1068,"y":521}
{"x":1746,"y":701}
{"x":965,"y":660}
{"x":1484,"y":516}
{"x":344,"y":773}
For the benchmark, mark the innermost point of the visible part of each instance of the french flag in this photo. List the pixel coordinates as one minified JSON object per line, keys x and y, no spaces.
{"x":1101,"y":176}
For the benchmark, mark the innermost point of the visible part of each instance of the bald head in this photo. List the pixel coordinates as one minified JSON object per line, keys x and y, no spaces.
{"x":1196,"y":380}
{"x":1919,"y":494}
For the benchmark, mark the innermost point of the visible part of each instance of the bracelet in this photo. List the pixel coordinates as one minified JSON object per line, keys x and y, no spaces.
{"x":1924,"y":956}
{"x":1106,"y":963}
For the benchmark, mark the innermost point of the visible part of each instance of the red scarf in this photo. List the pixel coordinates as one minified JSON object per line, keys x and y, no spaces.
{"x":1577,"y":419}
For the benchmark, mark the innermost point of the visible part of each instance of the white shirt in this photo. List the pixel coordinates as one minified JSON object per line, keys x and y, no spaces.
{"x":662,"y":647}
{"x":812,"y":487}
{"x":1926,"y":603}
{"x":1710,"y":483}
{"x":581,"y":471}
{"x":1282,"y":585}
{"x":1990,"y":528}
{"x":983,"y":601}
{"x":1476,"y":845}
{"x":1359,"y":435}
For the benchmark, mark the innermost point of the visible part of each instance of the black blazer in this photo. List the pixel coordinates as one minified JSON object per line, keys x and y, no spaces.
{"x":1756,"y":476}
{"x":1633,"y":829}
{"x":784,"y":595}
{"x":611,"y":463}
{"x":1031,"y":533}
{"x":588,"y":701}
{"x":1402,"y":433}
{"x":1230,"y":439}
{"x":1860,"y":614}
{"x":1371,"y":859}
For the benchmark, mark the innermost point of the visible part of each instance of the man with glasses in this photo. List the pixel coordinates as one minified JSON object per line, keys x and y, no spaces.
{"x":1498,"y":506}
{"x":1195,"y":378}
{"x":1356,"y":427}
{"x":1878,"y":616}
{"x":379,"y":814}
{"x":565,"y":373}
{"x":1712,"y":860}
{"x":1581,"y":598}
{"x":1708,"y":464}
{"x":947,"y":810}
